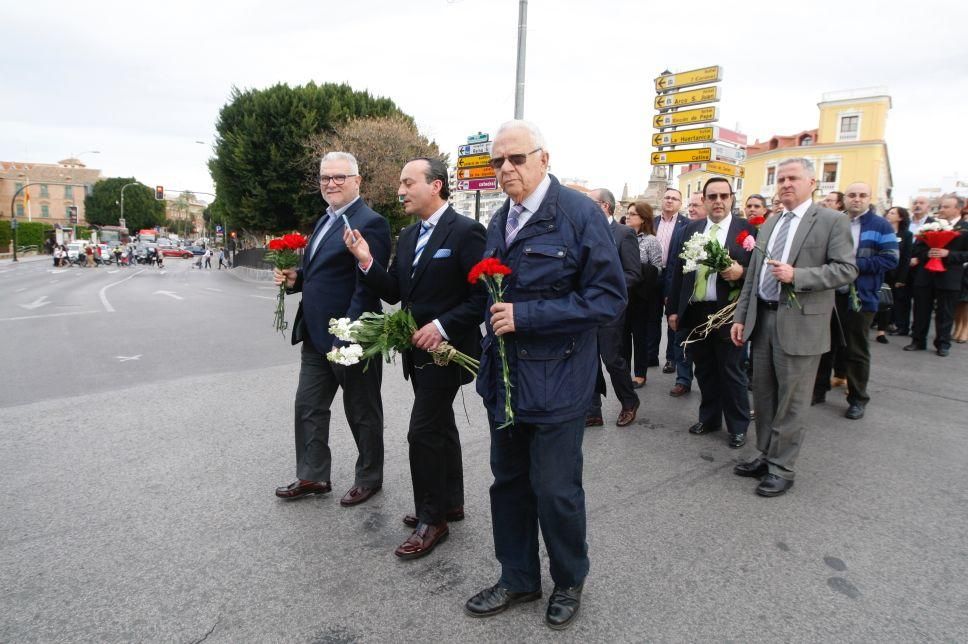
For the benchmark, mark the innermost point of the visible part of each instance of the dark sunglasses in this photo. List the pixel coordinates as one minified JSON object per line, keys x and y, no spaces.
{"x":515,"y":159}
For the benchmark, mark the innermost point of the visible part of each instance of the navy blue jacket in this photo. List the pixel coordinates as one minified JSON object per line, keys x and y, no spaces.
{"x":877,"y":253}
{"x":566,"y":281}
{"x":331,"y":284}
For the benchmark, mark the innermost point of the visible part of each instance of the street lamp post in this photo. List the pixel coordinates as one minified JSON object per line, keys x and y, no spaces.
{"x":121,"y":221}
{"x":522,"y":46}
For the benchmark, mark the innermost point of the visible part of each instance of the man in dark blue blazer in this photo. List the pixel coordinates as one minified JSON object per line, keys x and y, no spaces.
{"x":428,"y":276}
{"x":701,"y":293}
{"x":566,"y":281}
{"x":668,"y":225}
{"x":332,"y":287}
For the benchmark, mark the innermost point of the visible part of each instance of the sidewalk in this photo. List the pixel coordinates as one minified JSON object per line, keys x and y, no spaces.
{"x":7,"y":258}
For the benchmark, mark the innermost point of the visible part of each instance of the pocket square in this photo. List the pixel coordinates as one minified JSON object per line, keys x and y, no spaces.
{"x":441,"y":253}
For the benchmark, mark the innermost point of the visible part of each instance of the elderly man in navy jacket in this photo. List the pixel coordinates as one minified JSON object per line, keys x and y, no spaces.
{"x":332,"y":287}
{"x":566,"y":281}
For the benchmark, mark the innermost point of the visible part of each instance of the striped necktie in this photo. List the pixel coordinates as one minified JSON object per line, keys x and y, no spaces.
{"x":425,"y":229}
{"x":511,"y":229}
{"x":770,"y":289}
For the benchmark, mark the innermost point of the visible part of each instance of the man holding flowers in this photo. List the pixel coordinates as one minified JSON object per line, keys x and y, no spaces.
{"x":332,"y":287}
{"x":428,"y":276}
{"x":565,"y":281}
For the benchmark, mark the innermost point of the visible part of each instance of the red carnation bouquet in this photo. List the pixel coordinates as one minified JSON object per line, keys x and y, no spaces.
{"x":937,"y":234}
{"x":284,"y":252}
{"x":757,"y":221}
{"x":491,"y":271}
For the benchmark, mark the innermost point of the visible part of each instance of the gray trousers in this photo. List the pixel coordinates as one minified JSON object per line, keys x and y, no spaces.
{"x":318,"y":381}
{"x":782,"y":385}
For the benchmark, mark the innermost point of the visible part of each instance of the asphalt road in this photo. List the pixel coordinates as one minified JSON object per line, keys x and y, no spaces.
{"x":143,"y":432}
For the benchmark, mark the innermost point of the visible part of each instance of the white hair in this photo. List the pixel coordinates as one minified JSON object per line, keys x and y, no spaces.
{"x":806,"y":164}
{"x":341,"y":156}
{"x":537,"y":138}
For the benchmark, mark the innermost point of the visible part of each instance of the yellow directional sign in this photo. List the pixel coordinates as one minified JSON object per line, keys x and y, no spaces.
{"x":672,"y":157}
{"x":688,"y":97}
{"x":687,"y":117}
{"x":485,"y":172}
{"x":684,"y":137}
{"x":723,"y":168}
{"x":712,"y":74}
{"x":473,"y":160}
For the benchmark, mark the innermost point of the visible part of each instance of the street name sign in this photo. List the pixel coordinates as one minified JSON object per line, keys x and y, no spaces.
{"x":726,"y":169}
{"x":480,"y":137}
{"x":672,"y":157}
{"x":473,"y":161}
{"x":485,"y":172}
{"x":686,"y":137}
{"x":712,"y":74}
{"x":687,"y":98}
{"x":477,"y":184}
{"x":687,"y":117}
{"x":731,"y":155}
{"x":476,"y":148}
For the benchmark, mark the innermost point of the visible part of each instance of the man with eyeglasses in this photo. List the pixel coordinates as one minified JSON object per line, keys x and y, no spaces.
{"x":332,"y":287}
{"x":682,"y":360}
{"x":566,"y":281}
{"x":876,"y":251}
{"x":701,"y":293}
{"x":666,"y":224}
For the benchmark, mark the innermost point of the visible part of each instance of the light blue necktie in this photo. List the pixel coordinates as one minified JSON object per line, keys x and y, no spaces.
{"x":425,"y":230}
{"x":511,"y":229}
{"x":331,"y":217}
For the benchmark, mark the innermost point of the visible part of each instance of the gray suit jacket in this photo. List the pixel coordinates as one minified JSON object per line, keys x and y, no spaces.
{"x":822,"y":255}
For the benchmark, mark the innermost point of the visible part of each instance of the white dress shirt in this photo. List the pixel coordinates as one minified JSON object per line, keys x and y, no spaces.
{"x":777,"y":254}
{"x":721,"y":236}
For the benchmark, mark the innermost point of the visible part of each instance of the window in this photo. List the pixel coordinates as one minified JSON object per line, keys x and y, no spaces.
{"x":849,"y":127}
{"x":771,"y":175}
{"x":44,"y":191}
{"x":20,"y":210}
{"x":829,"y":174}
{"x":739,"y":184}
{"x":68,"y":192}
{"x":806,"y":140}
{"x":688,"y":190}
{"x":19,"y":186}
{"x":45,"y":211}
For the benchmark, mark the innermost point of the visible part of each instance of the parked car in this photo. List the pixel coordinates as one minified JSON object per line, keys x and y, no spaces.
{"x":171,"y":251}
{"x":74,"y":248}
{"x":196,"y":250}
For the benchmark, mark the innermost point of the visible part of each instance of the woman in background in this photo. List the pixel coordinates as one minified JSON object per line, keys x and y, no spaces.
{"x":640,"y":219}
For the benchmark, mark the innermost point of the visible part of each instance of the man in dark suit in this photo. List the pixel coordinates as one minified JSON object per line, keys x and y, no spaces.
{"x":938,"y":291}
{"x":719,"y":363}
{"x":666,"y":224}
{"x":332,"y":287}
{"x":566,"y":281}
{"x":682,"y":362}
{"x":428,"y":276}
{"x":801,"y":256}
{"x":612,"y":336}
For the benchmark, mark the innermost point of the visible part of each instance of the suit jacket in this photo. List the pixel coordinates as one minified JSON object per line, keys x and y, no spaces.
{"x":627,"y":245}
{"x":438,"y":290}
{"x":954,"y":263}
{"x":329,"y":280}
{"x":822,"y":254}
{"x":683,"y":284}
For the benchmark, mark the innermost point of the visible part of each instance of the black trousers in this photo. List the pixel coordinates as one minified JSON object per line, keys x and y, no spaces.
{"x":836,"y":359}
{"x":638,"y":351}
{"x":720,"y":373}
{"x":653,"y":329}
{"x":436,"y":468}
{"x":611,"y":348}
{"x":928,"y":299}
{"x":902,"y":308}
{"x":319,"y":379}
{"x":857,"y":354}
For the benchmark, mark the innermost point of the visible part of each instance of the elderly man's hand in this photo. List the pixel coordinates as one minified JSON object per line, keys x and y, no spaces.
{"x":782,"y":272}
{"x":427,"y":337}
{"x":502,"y":318}
{"x":736,"y":334}
{"x":674,"y":322}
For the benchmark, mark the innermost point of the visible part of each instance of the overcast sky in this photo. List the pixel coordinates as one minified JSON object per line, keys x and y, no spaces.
{"x":143,"y":81}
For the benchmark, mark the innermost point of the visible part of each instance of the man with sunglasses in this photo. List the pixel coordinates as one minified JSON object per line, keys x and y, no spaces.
{"x":566,"y":281}
{"x":332,"y":287}
{"x":701,"y":293}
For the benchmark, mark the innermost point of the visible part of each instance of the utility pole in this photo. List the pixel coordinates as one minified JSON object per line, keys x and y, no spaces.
{"x":121,"y":220}
{"x":522,"y":46}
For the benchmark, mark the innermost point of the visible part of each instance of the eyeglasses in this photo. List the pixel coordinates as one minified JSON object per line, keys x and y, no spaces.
{"x":721,"y":196}
{"x":338,"y":179}
{"x":855,"y":195}
{"x":515,"y":159}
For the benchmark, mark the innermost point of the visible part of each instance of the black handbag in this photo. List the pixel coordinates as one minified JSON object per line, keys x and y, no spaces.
{"x":885,"y":298}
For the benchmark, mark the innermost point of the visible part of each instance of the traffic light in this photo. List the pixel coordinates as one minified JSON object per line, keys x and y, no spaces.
{"x":159,"y":193}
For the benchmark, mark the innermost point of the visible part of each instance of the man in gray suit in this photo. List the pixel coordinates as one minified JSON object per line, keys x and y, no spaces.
{"x":801,"y":256}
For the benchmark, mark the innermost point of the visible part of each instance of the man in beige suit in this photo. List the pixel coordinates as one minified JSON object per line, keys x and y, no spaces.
{"x":802,"y":255}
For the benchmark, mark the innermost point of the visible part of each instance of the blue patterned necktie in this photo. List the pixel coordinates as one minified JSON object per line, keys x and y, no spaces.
{"x":511,"y":229}
{"x":771,"y":286}
{"x":425,"y":229}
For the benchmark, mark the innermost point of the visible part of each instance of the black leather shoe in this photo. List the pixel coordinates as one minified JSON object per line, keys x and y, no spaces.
{"x":882,"y":339}
{"x":300,"y":488}
{"x":943,"y":352}
{"x":914,"y":346}
{"x":855,"y":411}
{"x":754,"y":469}
{"x":773,"y":485}
{"x":702,"y":428}
{"x":819,"y":398}
{"x":563,"y":607}
{"x":496,"y":599}
{"x":668,"y":367}
{"x":737,"y":440}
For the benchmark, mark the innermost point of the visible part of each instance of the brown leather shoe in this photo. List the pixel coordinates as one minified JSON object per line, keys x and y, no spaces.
{"x":678,"y":390}
{"x":594,"y":421}
{"x":423,"y":540}
{"x":453,"y":514}
{"x":358,"y":494}
{"x":626,"y":416}
{"x":300,"y":488}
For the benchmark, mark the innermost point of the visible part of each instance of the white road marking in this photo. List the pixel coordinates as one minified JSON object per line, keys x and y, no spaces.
{"x":21,"y":290}
{"x":128,"y":358}
{"x":54,"y":271}
{"x":114,"y":271}
{"x":46,"y":315}
{"x":262,"y":297}
{"x":36,"y":304}
{"x":104,"y":299}
{"x":169,"y":294}
{"x":209,"y":288}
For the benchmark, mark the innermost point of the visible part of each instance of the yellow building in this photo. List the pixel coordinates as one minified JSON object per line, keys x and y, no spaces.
{"x":56,"y":187}
{"x":847,"y":146}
